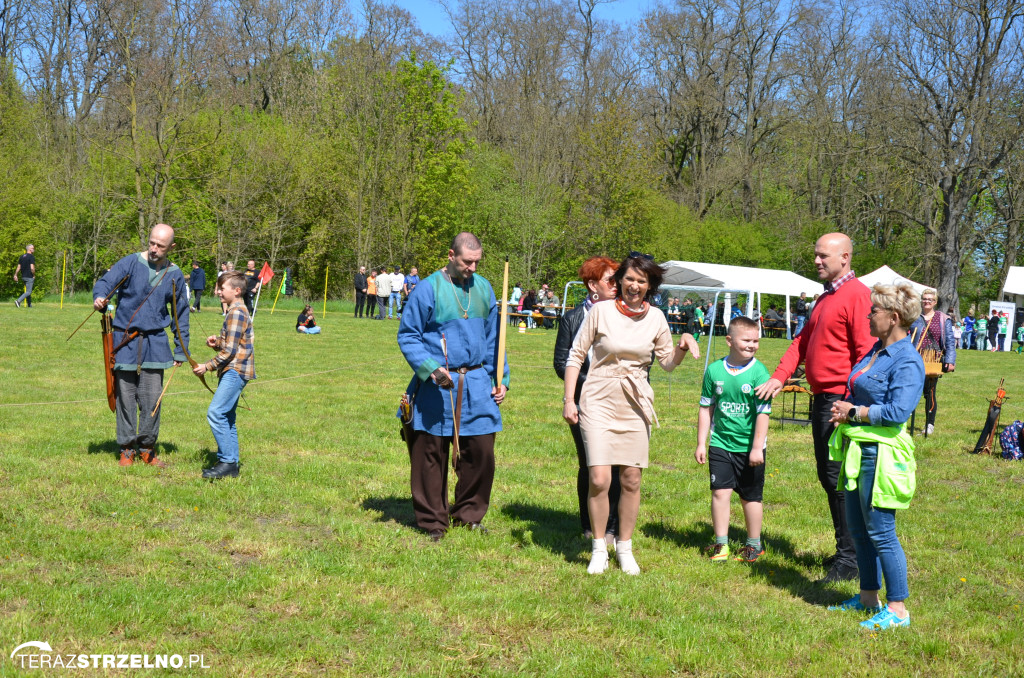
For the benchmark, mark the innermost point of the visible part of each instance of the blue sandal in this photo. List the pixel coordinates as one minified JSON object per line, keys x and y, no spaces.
{"x":854,"y":605}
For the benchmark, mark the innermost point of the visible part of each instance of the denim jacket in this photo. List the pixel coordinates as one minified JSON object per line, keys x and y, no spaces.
{"x":892,"y":387}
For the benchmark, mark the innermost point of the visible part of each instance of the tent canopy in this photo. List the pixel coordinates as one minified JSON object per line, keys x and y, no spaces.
{"x":1014,"y":281}
{"x":887,"y":276}
{"x":763,"y":280}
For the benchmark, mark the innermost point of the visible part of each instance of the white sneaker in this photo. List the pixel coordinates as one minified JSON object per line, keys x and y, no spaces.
{"x":929,"y":429}
{"x":598,"y":558}
{"x":624,"y":554}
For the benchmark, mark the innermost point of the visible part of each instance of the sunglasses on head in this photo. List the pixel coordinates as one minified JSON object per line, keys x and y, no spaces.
{"x":638,"y":255}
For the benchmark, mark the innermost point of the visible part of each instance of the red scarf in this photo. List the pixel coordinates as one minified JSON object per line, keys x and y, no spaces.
{"x":627,"y":311}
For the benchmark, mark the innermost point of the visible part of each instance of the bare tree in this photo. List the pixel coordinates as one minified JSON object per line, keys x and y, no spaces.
{"x":961,"y":65}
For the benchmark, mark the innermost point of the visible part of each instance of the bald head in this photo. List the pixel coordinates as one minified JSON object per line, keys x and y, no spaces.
{"x":161,"y":242}
{"x":832,"y":254}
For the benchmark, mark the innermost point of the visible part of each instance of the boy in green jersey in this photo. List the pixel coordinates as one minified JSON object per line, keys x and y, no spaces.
{"x":737,"y":422}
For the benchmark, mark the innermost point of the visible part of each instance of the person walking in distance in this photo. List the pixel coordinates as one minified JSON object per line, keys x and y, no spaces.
{"x":27,"y":270}
{"x":197,"y":283}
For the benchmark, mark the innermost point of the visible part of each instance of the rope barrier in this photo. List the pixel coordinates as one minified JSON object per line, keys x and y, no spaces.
{"x":201,"y":390}
{"x":261,"y":382}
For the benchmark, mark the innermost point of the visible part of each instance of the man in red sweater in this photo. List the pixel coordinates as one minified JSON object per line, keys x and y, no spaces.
{"x":835,"y":337}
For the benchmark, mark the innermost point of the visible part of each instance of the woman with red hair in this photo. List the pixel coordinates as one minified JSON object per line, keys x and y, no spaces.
{"x":597,"y":273}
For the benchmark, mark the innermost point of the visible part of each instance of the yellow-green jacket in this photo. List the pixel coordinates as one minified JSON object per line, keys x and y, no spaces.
{"x":895,"y":469}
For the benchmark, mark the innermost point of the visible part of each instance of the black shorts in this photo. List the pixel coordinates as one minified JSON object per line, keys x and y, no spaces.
{"x":732,"y":471}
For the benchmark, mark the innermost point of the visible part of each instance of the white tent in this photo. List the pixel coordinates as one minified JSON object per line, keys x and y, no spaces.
{"x":758,"y":280}
{"x":762,"y":280}
{"x":887,"y":276}
{"x":1014,"y":285}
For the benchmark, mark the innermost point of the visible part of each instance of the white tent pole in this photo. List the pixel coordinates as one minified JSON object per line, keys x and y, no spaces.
{"x":760,"y":312}
{"x":788,"y":325}
{"x":711,"y":334}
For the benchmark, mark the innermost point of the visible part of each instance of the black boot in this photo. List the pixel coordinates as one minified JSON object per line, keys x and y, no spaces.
{"x":221,"y":470}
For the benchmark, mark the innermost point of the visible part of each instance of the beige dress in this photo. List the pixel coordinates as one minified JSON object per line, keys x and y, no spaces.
{"x":617,"y":402}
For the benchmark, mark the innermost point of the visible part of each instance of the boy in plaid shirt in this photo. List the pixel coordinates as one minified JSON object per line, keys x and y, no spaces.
{"x":235,"y":367}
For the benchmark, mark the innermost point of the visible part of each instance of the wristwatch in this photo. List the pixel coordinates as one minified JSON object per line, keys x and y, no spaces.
{"x":853,"y":416}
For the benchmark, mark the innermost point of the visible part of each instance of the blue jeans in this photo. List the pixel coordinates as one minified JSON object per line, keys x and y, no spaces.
{"x":800,"y":320}
{"x":395,"y":300}
{"x":221,"y":415}
{"x":309,"y":330}
{"x":874,"y":535}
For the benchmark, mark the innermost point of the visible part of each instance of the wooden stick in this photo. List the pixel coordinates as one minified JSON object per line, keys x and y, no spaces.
{"x":503,"y":327}
{"x":155,"y":408}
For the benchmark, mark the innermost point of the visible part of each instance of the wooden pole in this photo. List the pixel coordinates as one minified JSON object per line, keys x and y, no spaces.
{"x":326,"y":274}
{"x":63,"y":275}
{"x":504,"y":325}
{"x":284,"y":281}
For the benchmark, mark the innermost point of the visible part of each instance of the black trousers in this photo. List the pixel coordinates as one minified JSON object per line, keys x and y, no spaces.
{"x":197,"y":296}
{"x":930,"y":406}
{"x":583,"y":486}
{"x":474,"y":471}
{"x":828,"y":475}
{"x":360,"y":301}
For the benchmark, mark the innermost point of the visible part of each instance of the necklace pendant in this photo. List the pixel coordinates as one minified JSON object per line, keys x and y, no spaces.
{"x":465,"y":314}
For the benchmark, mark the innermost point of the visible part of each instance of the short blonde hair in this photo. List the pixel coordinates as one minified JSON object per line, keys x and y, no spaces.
{"x":901,"y":299}
{"x":930,"y":290}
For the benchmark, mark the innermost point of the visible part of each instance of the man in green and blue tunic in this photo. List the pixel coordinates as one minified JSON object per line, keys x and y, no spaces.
{"x":141,"y":350}
{"x":449,"y":336}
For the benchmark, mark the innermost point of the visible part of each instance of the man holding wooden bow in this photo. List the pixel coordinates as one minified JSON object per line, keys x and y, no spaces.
{"x":146,"y":283}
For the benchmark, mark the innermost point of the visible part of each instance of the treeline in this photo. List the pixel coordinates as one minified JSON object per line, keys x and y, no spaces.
{"x":314,"y":134}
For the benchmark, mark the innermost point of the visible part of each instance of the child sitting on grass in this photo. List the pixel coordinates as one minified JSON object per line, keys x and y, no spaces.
{"x":235,"y":366}
{"x":738,"y":424}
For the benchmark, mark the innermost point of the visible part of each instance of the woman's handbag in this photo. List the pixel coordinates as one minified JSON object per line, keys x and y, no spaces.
{"x":932,"y":358}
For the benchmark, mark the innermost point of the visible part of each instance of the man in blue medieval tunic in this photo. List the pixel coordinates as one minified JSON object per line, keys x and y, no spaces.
{"x":141,"y":350}
{"x":449,"y":336}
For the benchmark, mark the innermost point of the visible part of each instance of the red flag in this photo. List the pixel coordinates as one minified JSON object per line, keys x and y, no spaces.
{"x":266,"y":273}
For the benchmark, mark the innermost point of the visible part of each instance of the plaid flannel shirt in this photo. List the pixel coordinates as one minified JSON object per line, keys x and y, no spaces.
{"x":234,"y":345}
{"x":831,"y":287}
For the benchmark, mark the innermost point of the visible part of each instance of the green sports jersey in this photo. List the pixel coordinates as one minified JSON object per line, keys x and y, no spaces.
{"x":734,"y":407}
{"x":982,"y":324}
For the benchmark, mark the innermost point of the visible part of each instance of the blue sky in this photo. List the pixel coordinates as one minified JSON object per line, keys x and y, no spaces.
{"x":432,"y":18}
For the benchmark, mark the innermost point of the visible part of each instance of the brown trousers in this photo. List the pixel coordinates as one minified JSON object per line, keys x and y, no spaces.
{"x":474,"y":470}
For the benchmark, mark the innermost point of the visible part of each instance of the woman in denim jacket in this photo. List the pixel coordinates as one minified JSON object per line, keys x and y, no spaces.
{"x":882,"y":391}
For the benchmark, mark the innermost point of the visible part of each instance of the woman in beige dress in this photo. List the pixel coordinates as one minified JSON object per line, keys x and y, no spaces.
{"x":617,"y":403}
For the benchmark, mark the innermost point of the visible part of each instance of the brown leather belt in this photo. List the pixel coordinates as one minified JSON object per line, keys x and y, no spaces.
{"x":457,"y":414}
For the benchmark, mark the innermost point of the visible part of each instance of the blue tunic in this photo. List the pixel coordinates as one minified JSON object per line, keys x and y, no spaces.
{"x":435,"y":308}
{"x":153,"y":318}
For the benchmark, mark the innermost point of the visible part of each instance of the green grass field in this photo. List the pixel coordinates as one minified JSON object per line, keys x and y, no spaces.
{"x":309,"y":562}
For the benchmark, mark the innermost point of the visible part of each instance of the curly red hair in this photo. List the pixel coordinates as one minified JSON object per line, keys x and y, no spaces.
{"x":595,"y":268}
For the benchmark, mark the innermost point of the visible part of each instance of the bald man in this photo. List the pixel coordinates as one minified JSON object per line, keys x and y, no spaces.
{"x":835,"y":337}
{"x":141,"y":349}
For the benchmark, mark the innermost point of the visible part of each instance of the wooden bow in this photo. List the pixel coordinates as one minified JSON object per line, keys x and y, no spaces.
{"x":177,"y":332}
